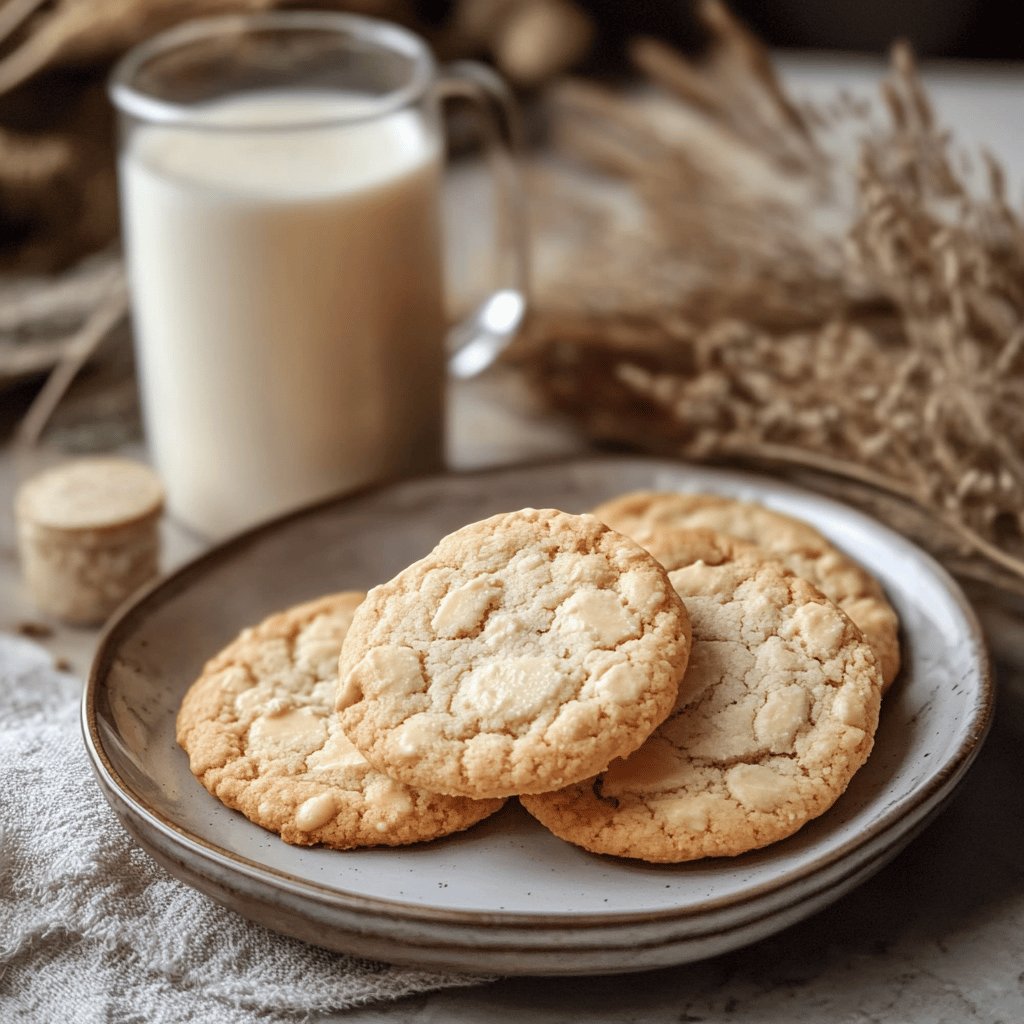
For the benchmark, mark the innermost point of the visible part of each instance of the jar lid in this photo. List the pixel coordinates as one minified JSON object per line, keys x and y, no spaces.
{"x":91,"y":494}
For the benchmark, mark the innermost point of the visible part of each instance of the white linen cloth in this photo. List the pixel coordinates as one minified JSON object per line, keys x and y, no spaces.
{"x":92,"y":930}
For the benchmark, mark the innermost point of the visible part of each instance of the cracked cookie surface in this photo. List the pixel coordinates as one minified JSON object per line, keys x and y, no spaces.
{"x":524,"y":653}
{"x":798,"y":545}
{"x":261,"y":735}
{"x":776,"y":712}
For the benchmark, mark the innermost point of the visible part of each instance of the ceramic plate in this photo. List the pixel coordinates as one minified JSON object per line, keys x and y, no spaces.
{"x":507,"y":896}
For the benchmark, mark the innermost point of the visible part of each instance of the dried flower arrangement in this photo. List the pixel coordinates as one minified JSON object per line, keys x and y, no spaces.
{"x":814,"y":289}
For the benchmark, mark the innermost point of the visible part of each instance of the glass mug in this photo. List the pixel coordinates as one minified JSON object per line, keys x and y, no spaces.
{"x":280,"y":179}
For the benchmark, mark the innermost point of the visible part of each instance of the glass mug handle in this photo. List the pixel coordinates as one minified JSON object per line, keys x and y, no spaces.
{"x":478,"y":340}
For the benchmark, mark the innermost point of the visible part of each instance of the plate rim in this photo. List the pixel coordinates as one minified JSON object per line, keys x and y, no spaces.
{"x":169,"y":585}
{"x":839,"y":884}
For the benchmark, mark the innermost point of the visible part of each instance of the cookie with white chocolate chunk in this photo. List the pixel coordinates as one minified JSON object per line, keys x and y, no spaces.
{"x":259,"y":729}
{"x":775,"y":714}
{"x":798,"y":545}
{"x":524,"y":653}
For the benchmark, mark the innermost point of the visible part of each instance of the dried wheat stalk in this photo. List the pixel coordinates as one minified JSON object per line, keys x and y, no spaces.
{"x":784,"y":297}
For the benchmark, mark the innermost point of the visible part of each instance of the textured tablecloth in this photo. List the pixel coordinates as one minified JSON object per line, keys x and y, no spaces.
{"x":92,"y":930}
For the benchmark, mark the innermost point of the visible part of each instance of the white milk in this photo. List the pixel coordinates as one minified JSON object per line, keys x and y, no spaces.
{"x":287,"y":297}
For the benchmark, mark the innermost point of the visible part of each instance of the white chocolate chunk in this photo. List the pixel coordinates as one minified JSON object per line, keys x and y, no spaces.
{"x":755,"y":786}
{"x":315,"y":812}
{"x":509,"y":691}
{"x":296,"y":731}
{"x":462,"y":611}
{"x":599,"y":613}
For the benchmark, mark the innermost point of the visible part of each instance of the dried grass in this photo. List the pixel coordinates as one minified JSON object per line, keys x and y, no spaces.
{"x":826,"y":289}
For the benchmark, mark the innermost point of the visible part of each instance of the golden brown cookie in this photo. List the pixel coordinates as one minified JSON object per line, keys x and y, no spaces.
{"x":776,"y":712}
{"x":261,"y":735}
{"x":795,"y":543}
{"x":523,"y":653}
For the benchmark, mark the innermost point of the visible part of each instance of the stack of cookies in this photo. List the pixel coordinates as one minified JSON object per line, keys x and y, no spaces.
{"x":672,"y":677}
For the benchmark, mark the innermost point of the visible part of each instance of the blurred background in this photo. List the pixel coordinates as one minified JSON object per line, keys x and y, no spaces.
{"x":652,"y":249}
{"x":57,"y":195}
{"x":949,"y":28}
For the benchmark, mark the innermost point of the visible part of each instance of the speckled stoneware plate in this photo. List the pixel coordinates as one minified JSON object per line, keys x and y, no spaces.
{"x":507,"y":896}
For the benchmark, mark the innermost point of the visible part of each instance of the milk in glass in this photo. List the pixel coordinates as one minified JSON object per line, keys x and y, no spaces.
{"x":287,"y":300}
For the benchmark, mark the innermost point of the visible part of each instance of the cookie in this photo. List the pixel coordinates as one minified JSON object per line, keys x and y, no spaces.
{"x":523,"y":653}
{"x":775,"y":714}
{"x":795,"y":543}
{"x":677,"y":547}
{"x":261,"y":735}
